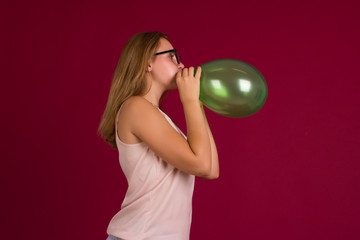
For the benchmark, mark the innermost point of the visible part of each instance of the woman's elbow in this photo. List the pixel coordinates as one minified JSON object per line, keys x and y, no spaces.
{"x":211,"y":176}
{"x":206,"y":171}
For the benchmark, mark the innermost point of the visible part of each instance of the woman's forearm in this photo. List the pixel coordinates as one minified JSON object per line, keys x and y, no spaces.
{"x":214,"y":155}
{"x":198,"y":136}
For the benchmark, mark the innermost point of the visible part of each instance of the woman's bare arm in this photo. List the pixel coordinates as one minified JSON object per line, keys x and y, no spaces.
{"x":197,"y":155}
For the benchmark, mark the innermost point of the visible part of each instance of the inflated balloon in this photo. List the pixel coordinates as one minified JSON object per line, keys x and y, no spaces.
{"x":232,"y":88}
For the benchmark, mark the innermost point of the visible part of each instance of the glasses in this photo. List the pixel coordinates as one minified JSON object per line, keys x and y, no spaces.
{"x":176,"y":53}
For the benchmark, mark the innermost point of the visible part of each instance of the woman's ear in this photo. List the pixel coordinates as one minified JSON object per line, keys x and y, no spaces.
{"x":149,"y":67}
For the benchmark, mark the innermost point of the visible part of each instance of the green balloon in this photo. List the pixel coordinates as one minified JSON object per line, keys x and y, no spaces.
{"x":232,"y":88}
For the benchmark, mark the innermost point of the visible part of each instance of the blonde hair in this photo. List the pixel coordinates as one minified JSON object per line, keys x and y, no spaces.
{"x":129,"y":78}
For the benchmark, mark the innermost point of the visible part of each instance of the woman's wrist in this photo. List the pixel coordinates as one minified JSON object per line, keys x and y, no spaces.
{"x":192,"y":103}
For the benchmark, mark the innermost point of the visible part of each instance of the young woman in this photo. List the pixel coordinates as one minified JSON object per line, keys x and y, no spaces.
{"x":159,"y":162}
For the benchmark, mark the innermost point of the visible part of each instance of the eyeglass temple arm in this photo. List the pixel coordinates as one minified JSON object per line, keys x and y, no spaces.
{"x":172,"y":50}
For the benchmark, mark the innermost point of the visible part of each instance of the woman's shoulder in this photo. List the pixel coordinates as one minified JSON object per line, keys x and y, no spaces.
{"x":133,"y":116}
{"x":139,"y":118}
{"x":136,"y":101}
{"x":137,"y":105}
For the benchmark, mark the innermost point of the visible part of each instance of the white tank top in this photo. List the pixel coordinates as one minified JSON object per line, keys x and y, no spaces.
{"x":158,"y":201}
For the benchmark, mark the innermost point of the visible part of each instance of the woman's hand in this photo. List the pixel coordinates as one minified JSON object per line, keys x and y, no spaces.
{"x":188,"y":84}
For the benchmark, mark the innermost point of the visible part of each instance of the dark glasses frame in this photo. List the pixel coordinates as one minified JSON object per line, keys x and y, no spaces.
{"x":172,"y":50}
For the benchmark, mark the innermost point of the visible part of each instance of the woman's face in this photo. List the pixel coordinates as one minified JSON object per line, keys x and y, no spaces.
{"x":163,"y":67}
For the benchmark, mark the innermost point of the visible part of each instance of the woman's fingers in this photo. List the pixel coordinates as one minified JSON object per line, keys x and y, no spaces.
{"x":188,"y":85}
{"x":198,"y":73}
{"x":191,"y":71}
{"x":188,"y":73}
{"x":185,"y":72}
{"x":179,"y":74}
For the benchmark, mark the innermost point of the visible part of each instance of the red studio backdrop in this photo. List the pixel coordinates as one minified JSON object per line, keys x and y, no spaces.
{"x":290,"y":171}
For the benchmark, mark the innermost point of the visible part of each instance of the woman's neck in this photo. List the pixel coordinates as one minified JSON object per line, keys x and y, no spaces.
{"x":153,"y":98}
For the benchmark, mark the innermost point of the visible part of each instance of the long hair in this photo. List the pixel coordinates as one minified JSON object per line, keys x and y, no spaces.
{"x":129,"y":78}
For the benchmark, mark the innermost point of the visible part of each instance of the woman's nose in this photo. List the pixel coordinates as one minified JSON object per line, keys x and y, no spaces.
{"x":181,"y":66}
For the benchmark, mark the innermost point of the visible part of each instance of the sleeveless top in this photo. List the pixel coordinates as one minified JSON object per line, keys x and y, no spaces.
{"x":158,"y":201}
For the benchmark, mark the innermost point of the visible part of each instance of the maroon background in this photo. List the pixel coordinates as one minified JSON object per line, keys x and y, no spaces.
{"x":290,"y":171}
